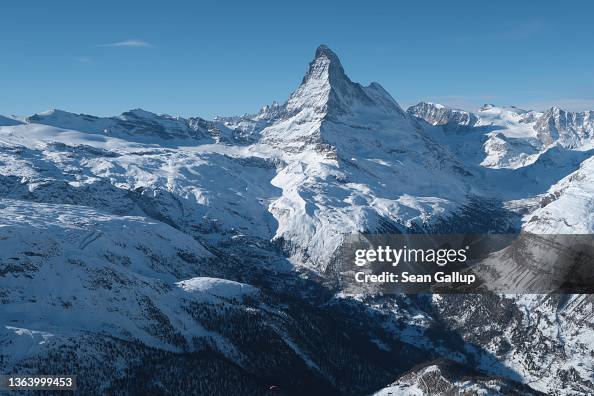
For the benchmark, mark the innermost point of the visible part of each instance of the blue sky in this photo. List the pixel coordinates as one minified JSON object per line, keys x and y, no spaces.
{"x":219,"y":57}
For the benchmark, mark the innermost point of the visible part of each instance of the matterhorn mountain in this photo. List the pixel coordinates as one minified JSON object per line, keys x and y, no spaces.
{"x":326,"y":96}
{"x":364,"y":163}
{"x":152,"y":254}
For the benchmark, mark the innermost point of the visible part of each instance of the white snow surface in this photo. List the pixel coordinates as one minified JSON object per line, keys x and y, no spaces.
{"x":217,"y":287}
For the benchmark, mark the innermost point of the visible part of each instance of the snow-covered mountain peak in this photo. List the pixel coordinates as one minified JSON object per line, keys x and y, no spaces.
{"x":325,"y":95}
{"x":140,"y":113}
{"x":570,"y":129}
{"x":437,"y":114}
{"x":505,"y":116}
{"x":52,"y":114}
{"x":325,"y":65}
{"x":327,"y":90}
{"x":560,"y":114}
{"x":324,"y":51}
{"x":324,"y":75}
{"x":269,"y":112}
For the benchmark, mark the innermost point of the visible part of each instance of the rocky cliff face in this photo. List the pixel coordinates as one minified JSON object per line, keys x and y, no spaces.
{"x":436,"y":114}
{"x":572,"y":130}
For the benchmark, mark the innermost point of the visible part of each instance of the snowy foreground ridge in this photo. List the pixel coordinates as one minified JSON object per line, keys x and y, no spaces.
{"x":151,"y":254}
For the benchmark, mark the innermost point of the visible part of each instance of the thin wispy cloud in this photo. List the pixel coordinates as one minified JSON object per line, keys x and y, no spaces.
{"x":83,"y":59}
{"x":516,"y":30}
{"x":129,"y":43}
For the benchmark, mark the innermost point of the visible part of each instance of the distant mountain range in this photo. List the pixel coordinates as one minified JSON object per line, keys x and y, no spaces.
{"x":152,"y":254}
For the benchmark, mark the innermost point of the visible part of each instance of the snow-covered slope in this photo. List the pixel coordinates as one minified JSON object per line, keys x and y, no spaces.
{"x":567,"y":207}
{"x":6,"y":121}
{"x":445,"y":378}
{"x":198,"y":188}
{"x":131,"y":125}
{"x":69,"y":269}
